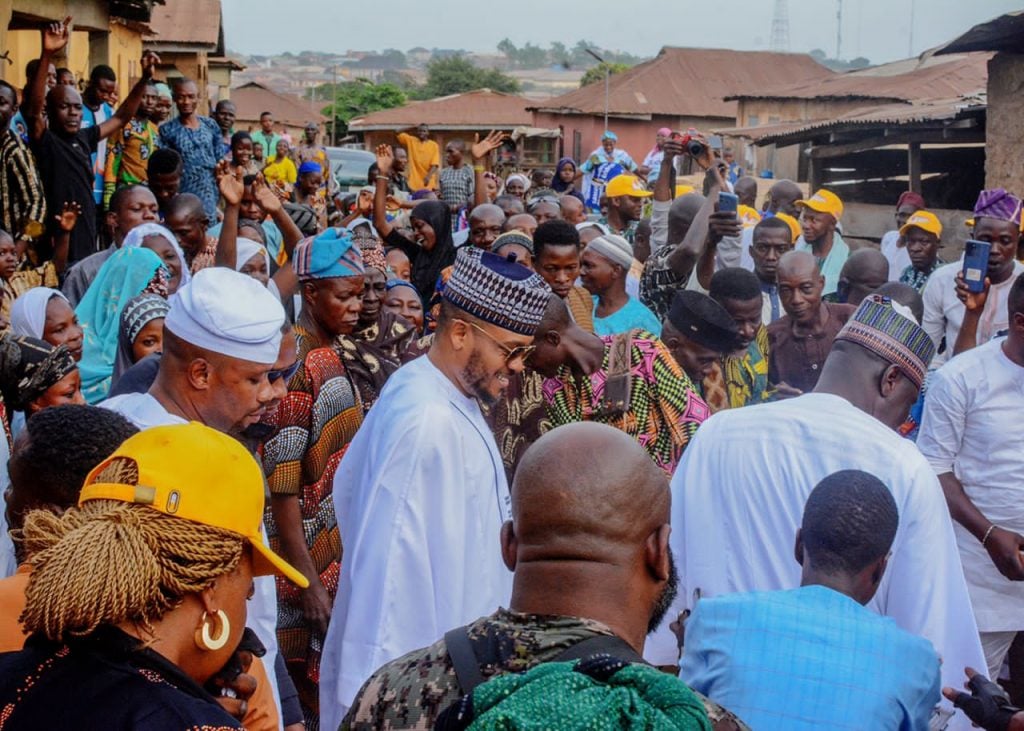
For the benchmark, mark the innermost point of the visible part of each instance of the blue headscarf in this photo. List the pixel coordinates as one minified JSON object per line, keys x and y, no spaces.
{"x":126,"y":274}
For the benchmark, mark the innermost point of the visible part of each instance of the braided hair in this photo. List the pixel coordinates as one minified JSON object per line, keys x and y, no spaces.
{"x":109,"y":562}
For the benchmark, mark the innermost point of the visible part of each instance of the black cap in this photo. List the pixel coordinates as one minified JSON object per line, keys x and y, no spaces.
{"x":704,"y":321}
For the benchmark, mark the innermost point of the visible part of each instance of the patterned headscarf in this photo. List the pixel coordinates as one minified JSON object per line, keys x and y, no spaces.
{"x":373,"y":253}
{"x":138,"y":313}
{"x":137,"y":236}
{"x":29,"y":367}
{"x":328,"y":255}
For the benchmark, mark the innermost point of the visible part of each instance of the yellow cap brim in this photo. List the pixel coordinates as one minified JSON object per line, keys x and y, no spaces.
{"x":927,"y":229}
{"x":815,"y":206}
{"x":268,"y":563}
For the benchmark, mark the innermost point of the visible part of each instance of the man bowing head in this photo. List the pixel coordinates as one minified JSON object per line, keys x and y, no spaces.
{"x":421,"y":493}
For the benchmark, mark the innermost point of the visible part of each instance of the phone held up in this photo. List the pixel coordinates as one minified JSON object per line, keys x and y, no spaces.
{"x":976,"y":264}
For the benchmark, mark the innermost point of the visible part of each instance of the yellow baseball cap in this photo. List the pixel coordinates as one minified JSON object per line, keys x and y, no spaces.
{"x":629,"y":185}
{"x":196,"y":473}
{"x":682,"y":190}
{"x":924,"y":220}
{"x":824,"y":201}
{"x":749,"y":217}
{"x":794,"y":225}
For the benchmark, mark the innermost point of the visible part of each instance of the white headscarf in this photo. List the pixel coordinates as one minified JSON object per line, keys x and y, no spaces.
{"x":521,"y":178}
{"x":139,"y":234}
{"x":28,"y":314}
{"x":246,"y":249}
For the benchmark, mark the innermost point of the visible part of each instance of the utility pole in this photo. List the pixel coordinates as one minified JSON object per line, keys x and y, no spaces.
{"x":334,"y":106}
{"x":839,"y":30}
{"x":607,"y":75}
{"x":910,"y":46}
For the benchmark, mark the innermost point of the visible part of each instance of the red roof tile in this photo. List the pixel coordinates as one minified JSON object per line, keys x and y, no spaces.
{"x":187,"y":22}
{"x":483,"y":109}
{"x":689,"y":82}
{"x":252,"y":99}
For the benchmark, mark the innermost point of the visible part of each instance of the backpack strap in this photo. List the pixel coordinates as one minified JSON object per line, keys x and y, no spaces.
{"x":600,"y":644}
{"x":464,"y":660}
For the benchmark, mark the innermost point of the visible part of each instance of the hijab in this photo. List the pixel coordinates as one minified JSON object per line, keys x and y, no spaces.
{"x":557,"y":184}
{"x":139,"y":234}
{"x":137,"y":313}
{"x":29,"y":367}
{"x":427,"y":265}
{"x":126,"y":274}
{"x":246,"y":249}
{"x":28,"y":314}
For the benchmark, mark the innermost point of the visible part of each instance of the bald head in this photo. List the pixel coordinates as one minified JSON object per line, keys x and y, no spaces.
{"x":782,"y":196}
{"x":680,"y":216}
{"x":589,"y":491}
{"x":746,"y":190}
{"x":572,"y":209}
{"x":864,"y":271}
{"x":185,"y":205}
{"x":801,"y":264}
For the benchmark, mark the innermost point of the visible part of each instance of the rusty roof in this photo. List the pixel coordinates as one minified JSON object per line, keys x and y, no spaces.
{"x":188,"y":23}
{"x":689,"y":82}
{"x":928,"y":76}
{"x":252,"y":99}
{"x":1005,"y":33}
{"x":482,"y":109}
{"x":925,"y":113}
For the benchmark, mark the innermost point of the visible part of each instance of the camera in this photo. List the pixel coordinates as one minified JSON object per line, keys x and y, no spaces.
{"x":691,"y":141}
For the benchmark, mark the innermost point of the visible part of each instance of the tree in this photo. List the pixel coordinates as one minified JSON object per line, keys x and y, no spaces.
{"x":457,"y":75}
{"x":595,"y":74}
{"x":508,"y":48}
{"x":559,"y":54}
{"x":532,"y":57}
{"x":356,"y":98}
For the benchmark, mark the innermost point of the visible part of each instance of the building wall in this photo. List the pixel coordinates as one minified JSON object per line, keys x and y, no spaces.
{"x":23,"y":45}
{"x":1004,"y":165}
{"x":191,"y":65}
{"x":636,"y":136}
{"x":864,"y":224}
{"x":296,"y":131}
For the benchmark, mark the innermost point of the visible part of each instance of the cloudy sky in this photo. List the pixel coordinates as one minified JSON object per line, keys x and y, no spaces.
{"x":877,"y":29}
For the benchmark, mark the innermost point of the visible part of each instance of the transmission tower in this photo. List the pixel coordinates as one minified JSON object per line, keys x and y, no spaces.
{"x":780,"y":27}
{"x":839,"y":29}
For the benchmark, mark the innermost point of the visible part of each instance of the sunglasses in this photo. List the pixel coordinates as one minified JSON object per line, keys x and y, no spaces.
{"x":520,"y":352}
{"x":285,"y":373}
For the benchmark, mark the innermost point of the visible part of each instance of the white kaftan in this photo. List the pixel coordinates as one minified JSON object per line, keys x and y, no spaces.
{"x":971,"y":417}
{"x":420,"y":497}
{"x":738,"y":497}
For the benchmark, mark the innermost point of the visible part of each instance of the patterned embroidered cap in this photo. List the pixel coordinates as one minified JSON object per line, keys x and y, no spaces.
{"x":878,"y":327}
{"x":497,"y":291}
{"x":512,"y":237}
{"x":998,"y":204}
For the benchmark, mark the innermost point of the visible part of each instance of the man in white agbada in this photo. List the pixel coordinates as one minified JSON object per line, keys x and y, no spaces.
{"x":421,"y":494}
{"x":222,"y":337}
{"x":968,"y":435}
{"x":739,"y":492}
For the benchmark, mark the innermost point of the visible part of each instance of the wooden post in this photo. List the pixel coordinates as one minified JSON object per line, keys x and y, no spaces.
{"x":815,"y":177}
{"x":914,"y":166}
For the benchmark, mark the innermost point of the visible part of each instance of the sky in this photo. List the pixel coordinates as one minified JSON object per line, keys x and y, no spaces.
{"x":876,"y":29}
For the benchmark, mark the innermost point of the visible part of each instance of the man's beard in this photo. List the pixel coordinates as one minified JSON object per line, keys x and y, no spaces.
{"x":665,"y":599}
{"x":475,"y":378}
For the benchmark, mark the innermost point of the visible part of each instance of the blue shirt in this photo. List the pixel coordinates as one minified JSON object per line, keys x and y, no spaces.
{"x":633,"y":315}
{"x":832,"y":265}
{"x":809,"y":658}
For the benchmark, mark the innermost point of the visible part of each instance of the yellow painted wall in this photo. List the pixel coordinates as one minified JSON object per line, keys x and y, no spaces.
{"x":24,"y":45}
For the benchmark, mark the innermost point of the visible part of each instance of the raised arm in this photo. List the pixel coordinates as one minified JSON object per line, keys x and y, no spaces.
{"x":54,"y":39}
{"x":684,"y":256}
{"x":480,"y":151}
{"x":232,"y":188}
{"x":385,"y":160}
{"x":665,"y":185}
{"x":130,"y":106}
{"x":66,"y":221}
{"x":974,"y":306}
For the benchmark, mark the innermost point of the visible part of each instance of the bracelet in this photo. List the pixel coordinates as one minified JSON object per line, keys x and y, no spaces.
{"x":382,"y":177}
{"x":988,"y":533}
{"x":479,"y":168}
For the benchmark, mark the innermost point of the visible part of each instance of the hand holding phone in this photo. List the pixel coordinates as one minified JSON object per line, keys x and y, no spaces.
{"x":728,"y":202}
{"x":976,"y":264}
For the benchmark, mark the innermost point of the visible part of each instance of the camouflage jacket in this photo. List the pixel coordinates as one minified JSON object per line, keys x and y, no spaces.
{"x":410,"y":692}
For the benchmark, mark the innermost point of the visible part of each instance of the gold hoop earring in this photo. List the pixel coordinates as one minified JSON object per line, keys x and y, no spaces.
{"x":203,"y":638}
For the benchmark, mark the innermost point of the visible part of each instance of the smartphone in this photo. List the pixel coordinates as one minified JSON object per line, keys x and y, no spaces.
{"x":976,"y":264}
{"x":728,"y":202}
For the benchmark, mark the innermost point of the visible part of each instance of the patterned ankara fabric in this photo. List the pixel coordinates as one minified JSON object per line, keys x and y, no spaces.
{"x":664,"y":409}
{"x":410,"y":692}
{"x":659,"y":283}
{"x":519,"y":418}
{"x":315,"y":423}
{"x":128,"y":154}
{"x":373,"y":353}
{"x":200,"y":153}
{"x":746,"y":377}
{"x":917,"y":278}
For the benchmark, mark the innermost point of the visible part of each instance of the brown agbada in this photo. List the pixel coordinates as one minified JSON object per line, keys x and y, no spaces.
{"x":797,"y":359}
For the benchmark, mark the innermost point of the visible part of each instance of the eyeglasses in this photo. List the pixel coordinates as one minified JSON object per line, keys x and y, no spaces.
{"x":520,"y":352}
{"x":285,"y":373}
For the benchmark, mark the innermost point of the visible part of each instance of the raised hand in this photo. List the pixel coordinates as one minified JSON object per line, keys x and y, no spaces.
{"x":149,"y":63}
{"x":385,"y":159}
{"x":490,"y":143}
{"x":230,"y":182}
{"x":68,"y":216}
{"x":973,"y":301}
{"x":56,"y":36}
{"x":269,"y":201}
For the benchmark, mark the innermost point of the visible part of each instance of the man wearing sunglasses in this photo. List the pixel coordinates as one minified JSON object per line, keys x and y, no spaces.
{"x":422,"y":487}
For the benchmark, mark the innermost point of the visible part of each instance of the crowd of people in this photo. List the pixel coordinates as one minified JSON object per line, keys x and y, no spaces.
{"x":578,"y":448}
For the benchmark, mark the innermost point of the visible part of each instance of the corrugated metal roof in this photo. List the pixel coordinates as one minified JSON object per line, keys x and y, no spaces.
{"x":689,"y":82}
{"x":923,"y":113}
{"x":908,"y":80}
{"x":474,"y":109}
{"x":1005,"y":33}
{"x":187,"y":22}
{"x":252,"y":99}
